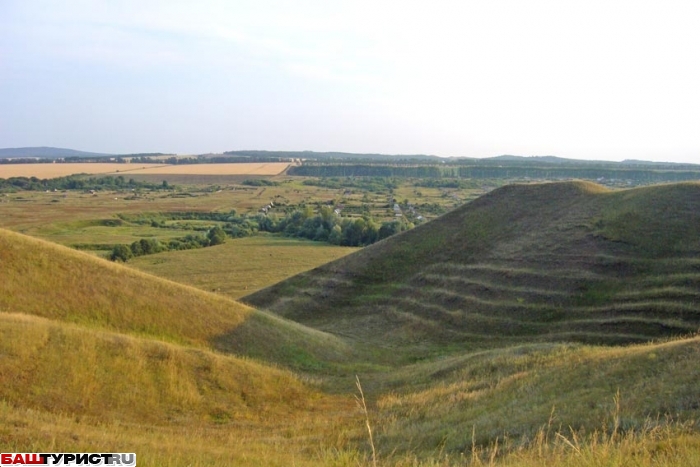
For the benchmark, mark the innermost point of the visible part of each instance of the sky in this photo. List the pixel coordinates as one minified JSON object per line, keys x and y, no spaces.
{"x":605,"y":80}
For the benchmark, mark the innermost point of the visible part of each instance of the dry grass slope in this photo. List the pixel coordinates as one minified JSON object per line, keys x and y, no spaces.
{"x":64,"y":368}
{"x":47,"y":280}
{"x":67,"y":388}
{"x":94,"y":354}
{"x":513,"y":393}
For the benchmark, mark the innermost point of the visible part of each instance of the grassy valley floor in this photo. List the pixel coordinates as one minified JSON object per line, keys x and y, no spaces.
{"x":240,"y":266}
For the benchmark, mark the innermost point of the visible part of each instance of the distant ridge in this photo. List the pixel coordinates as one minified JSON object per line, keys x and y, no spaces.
{"x":47,"y":152}
{"x":569,"y":261}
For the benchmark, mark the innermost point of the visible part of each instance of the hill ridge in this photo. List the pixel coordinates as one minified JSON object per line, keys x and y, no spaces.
{"x":47,"y":152}
{"x":52,"y":281}
{"x":593,"y":248}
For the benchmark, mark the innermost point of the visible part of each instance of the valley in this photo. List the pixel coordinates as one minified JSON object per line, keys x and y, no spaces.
{"x":548,"y":323}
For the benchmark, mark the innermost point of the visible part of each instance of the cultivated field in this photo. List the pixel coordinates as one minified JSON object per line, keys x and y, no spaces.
{"x":61,"y":170}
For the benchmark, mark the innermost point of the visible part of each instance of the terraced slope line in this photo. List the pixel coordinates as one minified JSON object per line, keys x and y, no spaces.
{"x":543,"y":262}
{"x":43,"y":279}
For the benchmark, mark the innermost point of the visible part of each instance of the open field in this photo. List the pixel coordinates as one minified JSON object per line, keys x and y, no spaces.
{"x":42,"y":214}
{"x":125,"y":300}
{"x":78,"y":217}
{"x":63,"y":169}
{"x":240,"y":266}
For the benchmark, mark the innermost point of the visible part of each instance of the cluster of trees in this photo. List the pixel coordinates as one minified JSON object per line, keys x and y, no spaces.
{"x":76,"y":182}
{"x":327,"y":226}
{"x":214,"y":236}
{"x":259,"y":182}
{"x":323,"y":226}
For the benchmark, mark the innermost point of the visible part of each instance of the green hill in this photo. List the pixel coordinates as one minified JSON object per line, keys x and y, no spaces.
{"x":525,"y":263}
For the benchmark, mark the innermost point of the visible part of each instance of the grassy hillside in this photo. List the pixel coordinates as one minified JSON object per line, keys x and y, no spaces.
{"x":67,"y":388}
{"x":66,"y":368}
{"x":513,"y":393}
{"x":43,"y":279}
{"x":525,"y":263}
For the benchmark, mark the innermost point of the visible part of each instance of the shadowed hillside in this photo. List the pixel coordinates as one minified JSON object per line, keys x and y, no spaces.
{"x":545,"y":262}
{"x":43,"y":279}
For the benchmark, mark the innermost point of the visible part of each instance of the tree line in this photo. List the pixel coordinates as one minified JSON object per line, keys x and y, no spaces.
{"x":77,"y":182}
{"x":149,"y":246}
{"x":492,"y":171}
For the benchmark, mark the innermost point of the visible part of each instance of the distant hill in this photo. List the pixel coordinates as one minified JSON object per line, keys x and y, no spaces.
{"x":554,"y":160}
{"x":47,"y":152}
{"x":549,"y":159}
{"x":568,"y":261}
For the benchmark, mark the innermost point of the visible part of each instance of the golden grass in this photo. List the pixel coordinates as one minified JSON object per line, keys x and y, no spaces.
{"x":70,"y":389}
{"x":55,"y":282}
{"x":61,"y":170}
{"x":65,"y":368}
{"x":511,"y":393}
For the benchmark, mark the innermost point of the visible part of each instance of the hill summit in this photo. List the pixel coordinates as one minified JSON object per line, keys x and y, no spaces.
{"x":569,"y":261}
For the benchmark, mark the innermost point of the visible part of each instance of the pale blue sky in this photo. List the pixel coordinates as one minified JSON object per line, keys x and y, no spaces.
{"x":595,"y":80}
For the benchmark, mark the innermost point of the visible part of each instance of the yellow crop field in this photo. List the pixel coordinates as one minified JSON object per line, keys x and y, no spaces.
{"x":245,"y":168}
{"x":62,"y":170}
